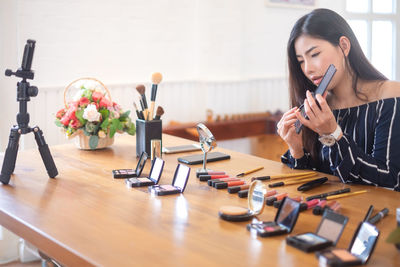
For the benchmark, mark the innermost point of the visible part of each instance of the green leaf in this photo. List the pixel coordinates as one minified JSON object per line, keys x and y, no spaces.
{"x":115,"y":125}
{"x":79,"y":115}
{"x":131,"y":128}
{"x":124,"y":115}
{"x":93,"y":141}
{"x":88,"y":94}
{"x":58,"y":123}
{"x":105,"y":124}
{"x":104,"y":113}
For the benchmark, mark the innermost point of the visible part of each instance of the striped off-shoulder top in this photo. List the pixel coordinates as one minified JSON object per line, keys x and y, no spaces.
{"x":368,"y":152}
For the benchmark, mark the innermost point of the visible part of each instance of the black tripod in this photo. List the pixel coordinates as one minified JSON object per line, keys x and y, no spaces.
{"x":25,"y":91}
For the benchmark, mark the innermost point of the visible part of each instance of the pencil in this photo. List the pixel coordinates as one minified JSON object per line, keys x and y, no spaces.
{"x":298,"y":181}
{"x":283,"y":175}
{"x":250,"y":171}
{"x":345,"y":195}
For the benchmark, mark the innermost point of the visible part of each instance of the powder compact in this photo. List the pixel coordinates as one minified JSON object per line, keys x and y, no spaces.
{"x":154,"y":176}
{"x":256,"y":204}
{"x":178,"y":185}
{"x":284,"y":222}
{"x":359,"y":252}
{"x":328,"y":233}
{"x":128,"y":173}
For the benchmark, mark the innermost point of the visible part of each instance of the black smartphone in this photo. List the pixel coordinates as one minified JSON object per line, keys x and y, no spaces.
{"x":179,"y":149}
{"x":129,"y":173}
{"x":198,"y":158}
{"x":320,"y":90}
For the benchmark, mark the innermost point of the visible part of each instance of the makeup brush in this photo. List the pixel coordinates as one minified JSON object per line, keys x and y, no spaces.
{"x":141,"y":90}
{"x":139,"y":115}
{"x":156,"y":78}
{"x":159,"y":113}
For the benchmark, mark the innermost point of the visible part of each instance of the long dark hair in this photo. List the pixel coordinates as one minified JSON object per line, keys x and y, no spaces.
{"x":327,"y":25}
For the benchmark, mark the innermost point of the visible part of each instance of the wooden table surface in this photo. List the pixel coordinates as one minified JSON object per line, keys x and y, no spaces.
{"x":85,"y":217}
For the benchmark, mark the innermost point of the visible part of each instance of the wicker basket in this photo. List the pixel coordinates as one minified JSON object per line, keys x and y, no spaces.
{"x":82,"y":140}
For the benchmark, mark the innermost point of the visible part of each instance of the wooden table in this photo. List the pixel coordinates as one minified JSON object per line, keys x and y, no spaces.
{"x":85,"y":217}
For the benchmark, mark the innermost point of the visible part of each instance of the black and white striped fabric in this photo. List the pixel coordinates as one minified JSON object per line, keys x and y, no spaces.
{"x":368,"y":152}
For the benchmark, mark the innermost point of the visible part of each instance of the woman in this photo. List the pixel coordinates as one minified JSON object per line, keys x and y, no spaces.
{"x":353,"y":130}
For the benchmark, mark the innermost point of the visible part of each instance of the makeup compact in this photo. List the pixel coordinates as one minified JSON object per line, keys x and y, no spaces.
{"x":255,"y":200}
{"x":178,"y":185}
{"x":359,"y":252}
{"x":328,"y":233}
{"x":155,"y":174}
{"x":283,"y":223}
{"x":128,"y":173}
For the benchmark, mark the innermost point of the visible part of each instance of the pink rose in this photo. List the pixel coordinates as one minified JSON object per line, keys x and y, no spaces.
{"x":60,"y":114}
{"x":84,"y":101}
{"x":65,"y":120}
{"x":105,"y":103}
{"x":96,"y":96}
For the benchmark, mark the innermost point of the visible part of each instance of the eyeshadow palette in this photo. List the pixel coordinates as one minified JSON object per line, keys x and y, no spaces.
{"x":359,"y":252}
{"x":328,"y":233}
{"x":129,"y":173}
{"x":155,"y":174}
{"x":284,"y":222}
{"x":178,"y":185}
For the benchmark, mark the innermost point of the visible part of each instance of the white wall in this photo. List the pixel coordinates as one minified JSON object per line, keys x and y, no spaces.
{"x":124,"y":41}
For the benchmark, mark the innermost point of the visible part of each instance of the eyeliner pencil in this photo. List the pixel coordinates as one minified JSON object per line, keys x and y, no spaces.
{"x":283,"y":175}
{"x":345,"y":195}
{"x":331,"y":193}
{"x":250,"y":171}
{"x":298,"y":181}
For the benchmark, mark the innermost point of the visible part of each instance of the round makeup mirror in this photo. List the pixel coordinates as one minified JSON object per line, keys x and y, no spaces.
{"x":207,"y":143}
{"x":256,"y":197}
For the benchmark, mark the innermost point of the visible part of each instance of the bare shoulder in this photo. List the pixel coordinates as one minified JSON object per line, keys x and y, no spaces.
{"x":390,"y":89}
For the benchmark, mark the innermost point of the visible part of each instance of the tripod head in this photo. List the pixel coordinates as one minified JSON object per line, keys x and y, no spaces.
{"x":24,"y":89}
{"x":25,"y":71}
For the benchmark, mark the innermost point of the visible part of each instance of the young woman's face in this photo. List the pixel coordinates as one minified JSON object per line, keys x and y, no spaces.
{"x":315,"y":55}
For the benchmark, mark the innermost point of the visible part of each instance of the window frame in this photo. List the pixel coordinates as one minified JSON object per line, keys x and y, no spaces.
{"x":369,"y":17}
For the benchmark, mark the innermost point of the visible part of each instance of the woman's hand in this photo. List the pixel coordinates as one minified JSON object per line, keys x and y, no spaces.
{"x":320,"y":119}
{"x":287,"y":132}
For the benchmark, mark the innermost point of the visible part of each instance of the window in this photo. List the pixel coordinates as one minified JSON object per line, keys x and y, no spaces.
{"x":377,"y":29}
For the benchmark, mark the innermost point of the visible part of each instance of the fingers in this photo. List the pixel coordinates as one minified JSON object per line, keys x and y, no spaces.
{"x":322,"y":102}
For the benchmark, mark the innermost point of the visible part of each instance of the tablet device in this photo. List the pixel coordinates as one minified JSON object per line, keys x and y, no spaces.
{"x":198,"y":158}
{"x":180,"y":149}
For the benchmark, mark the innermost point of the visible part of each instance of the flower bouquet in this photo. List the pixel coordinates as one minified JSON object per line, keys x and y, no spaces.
{"x":92,"y":115}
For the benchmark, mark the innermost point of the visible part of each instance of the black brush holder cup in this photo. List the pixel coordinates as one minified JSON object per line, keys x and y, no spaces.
{"x":145,"y":132}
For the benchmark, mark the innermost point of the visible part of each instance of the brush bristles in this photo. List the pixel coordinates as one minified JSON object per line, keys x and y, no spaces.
{"x":156,"y":78}
{"x":141,"y":89}
{"x":160,"y":111}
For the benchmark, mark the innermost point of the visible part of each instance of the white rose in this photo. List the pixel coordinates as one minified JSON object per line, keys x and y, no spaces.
{"x":91,"y":114}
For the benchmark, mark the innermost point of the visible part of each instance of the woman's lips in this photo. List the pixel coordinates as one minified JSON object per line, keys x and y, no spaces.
{"x":317,"y":81}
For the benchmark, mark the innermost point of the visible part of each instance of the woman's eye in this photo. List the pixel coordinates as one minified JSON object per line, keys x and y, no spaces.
{"x":316,"y":54}
{"x":301,"y":62}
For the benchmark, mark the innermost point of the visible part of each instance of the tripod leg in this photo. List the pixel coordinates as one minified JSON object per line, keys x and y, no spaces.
{"x":45,"y":153}
{"x":10,"y":156}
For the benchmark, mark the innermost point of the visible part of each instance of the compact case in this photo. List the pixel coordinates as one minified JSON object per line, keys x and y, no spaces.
{"x":328,"y":233}
{"x":128,"y":173}
{"x":154,"y":176}
{"x":284,"y":222}
{"x":360,"y":250}
{"x":179,"y":182}
{"x":256,"y":204}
